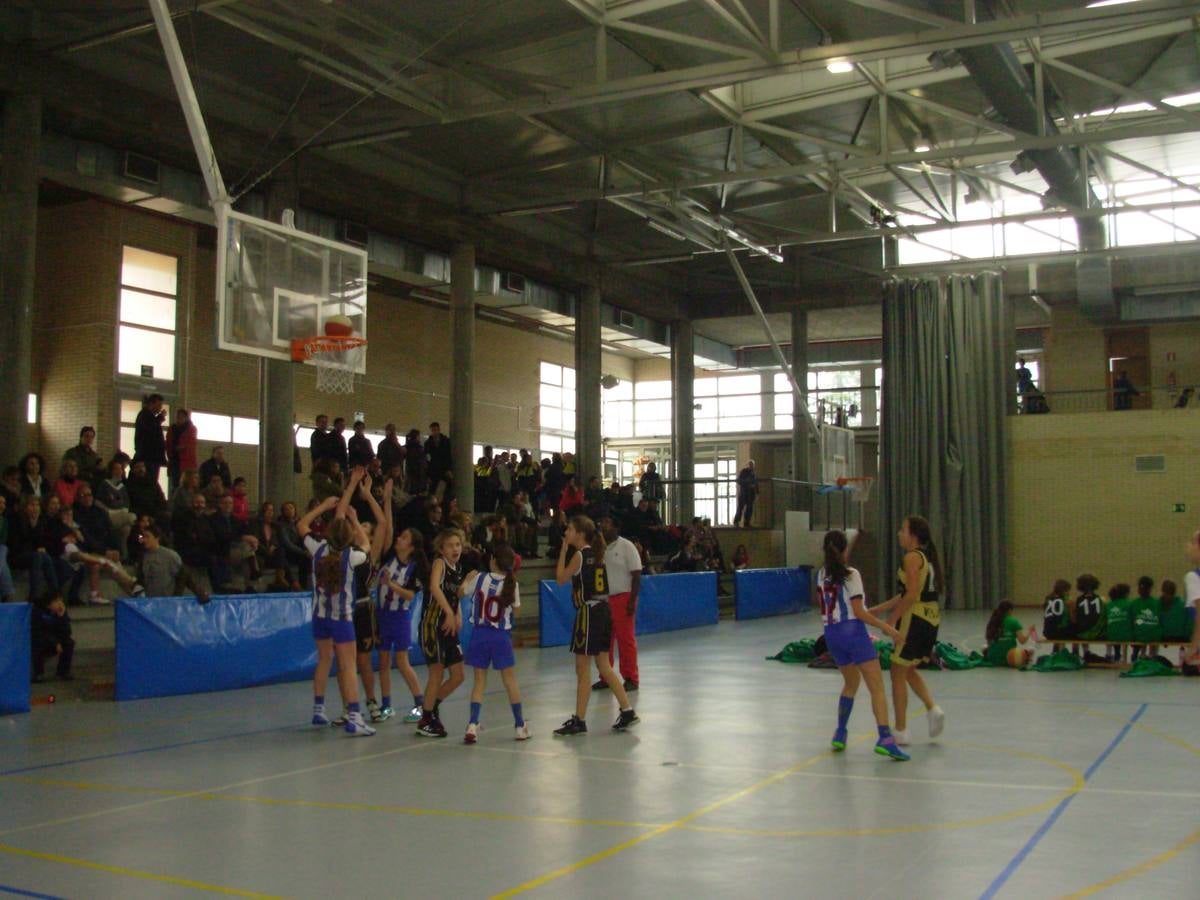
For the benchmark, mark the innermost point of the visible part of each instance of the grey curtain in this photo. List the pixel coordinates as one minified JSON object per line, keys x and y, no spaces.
{"x":948,"y":385}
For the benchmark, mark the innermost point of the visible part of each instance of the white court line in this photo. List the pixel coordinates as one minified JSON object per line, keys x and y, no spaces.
{"x":216,"y":790}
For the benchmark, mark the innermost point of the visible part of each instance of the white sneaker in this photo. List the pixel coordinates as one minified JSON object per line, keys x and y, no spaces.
{"x":98,"y":599}
{"x":901,"y":736}
{"x":472,"y":733}
{"x":356,"y":727}
{"x":523,"y":733}
{"x":937,"y":721}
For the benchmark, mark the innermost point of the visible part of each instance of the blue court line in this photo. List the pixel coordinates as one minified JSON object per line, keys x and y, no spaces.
{"x":8,"y":889}
{"x":1016,"y":861}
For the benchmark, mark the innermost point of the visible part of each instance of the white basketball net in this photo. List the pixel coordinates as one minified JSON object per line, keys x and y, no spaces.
{"x":336,"y":368}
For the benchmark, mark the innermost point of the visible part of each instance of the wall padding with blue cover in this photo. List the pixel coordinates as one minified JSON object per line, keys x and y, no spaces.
{"x":771,"y":592}
{"x":665,"y":603}
{"x":15,"y":657}
{"x":173,"y":645}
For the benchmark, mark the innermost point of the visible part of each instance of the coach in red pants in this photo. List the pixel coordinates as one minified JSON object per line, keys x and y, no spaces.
{"x":624,"y":567}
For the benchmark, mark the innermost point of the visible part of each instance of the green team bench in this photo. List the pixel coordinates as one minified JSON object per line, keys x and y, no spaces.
{"x":1121,"y":645}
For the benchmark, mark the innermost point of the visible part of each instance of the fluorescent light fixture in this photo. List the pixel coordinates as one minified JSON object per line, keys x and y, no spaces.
{"x":31,"y":409}
{"x":840,"y":66}
{"x":1097,"y":3}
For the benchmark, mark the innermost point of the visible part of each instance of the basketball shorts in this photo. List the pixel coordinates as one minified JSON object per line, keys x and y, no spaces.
{"x":395,"y":630}
{"x":439,"y":648}
{"x":366,"y":626}
{"x":490,"y":647}
{"x":593,"y":629}
{"x":918,"y":633}
{"x":340,"y":631}
{"x":849,"y":644}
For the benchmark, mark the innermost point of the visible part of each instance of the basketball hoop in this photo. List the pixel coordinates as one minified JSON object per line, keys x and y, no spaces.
{"x":859,"y":486}
{"x":336,"y":357}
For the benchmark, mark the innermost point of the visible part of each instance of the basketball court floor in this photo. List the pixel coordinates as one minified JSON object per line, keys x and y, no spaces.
{"x":1043,"y":785}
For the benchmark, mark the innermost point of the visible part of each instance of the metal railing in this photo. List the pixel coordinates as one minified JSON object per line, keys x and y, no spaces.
{"x":1109,"y":400}
{"x":828,"y":506}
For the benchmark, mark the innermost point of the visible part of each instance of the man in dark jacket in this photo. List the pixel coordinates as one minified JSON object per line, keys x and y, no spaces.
{"x":391,"y":452}
{"x":359,"y":449}
{"x":193,"y":539}
{"x":216,"y":465}
{"x":149,"y":441}
{"x":747,"y":490}
{"x":440,"y":464}
{"x":145,"y":496}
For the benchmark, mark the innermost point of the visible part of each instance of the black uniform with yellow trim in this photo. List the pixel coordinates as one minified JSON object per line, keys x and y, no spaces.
{"x":593,"y":620}
{"x":439,"y":647}
{"x":366,"y":625}
{"x":918,"y":626}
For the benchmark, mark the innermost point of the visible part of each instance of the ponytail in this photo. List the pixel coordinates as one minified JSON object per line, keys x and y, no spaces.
{"x":834,"y":546}
{"x":992,"y":633}
{"x":591,"y":534}
{"x":919,"y":528}
{"x":504,"y":559}
{"x":418,"y":558}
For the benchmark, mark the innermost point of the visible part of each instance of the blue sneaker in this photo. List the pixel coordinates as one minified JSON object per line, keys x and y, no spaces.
{"x":839,"y":740}
{"x":888,"y":747}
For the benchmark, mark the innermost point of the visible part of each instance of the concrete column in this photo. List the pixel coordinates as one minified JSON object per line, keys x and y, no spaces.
{"x":683,"y":419}
{"x":462,"y":385}
{"x":276,"y":398}
{"x":800,"y":497}
{"x":587,"y":386}
{"x":21,"y":148}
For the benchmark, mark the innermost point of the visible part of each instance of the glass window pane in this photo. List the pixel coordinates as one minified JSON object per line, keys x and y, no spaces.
{"x":130,"y":410}
{"x":812,"y":381}
{"x":127,"y":439}
{"x":212,"y":427}
{"x":568,"y":420}
{"x":245,"y":431}
{"x":568,"y":398}
{"x":740,"y":384}
{"x":550,"y":396}
{"x":304,"y":436}
{"x":653,"y":390}
{"x":139,"y":348}
{"x":783,"y":404}
{"x":741,"y":423}
{"x":149,"y":271}
{"x":705,"y":426}
{"x":549,"y":443}
{"x":654,"y":409}
{"x":740,"y":406}
{"x":549,"y":417}
{"x":147,"y":309}
{"x":705,"y":387}
{"x":783,"y":423}
{"x":568,"y":378}
{"x":551,"y":374}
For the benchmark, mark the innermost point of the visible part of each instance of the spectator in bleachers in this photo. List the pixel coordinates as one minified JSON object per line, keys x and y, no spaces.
{"x":99,"y":535}
{"x":214,"y":490}
{"x":194,"y":542}
{"x":33,"y":480}
{"x":338,"y":451}
{"x":528,"y":475}
{"x":145,"y":494}
{"x":232,"y":564}
{"x":216,"y":465}
{"x":747,"y":490}
{"x":68,"y":483}
{"x":134,"y":544}
{"x":269,"y":554}
{"x":651,"y":484}
{"x":318,"y":443}
{"x":10,"y":490}
{"x":484,"y":488}
{"x":241,"y":501}
{"x":50,"y":633}
{"x":572,"y":499}
{"x":79,"y":560}
{"x":1123,"y":391}
{"x":687,"y":558}
{"x":112,"y":496}
{"x":188,"y":487}
{"x":553,"y":481}
{"x":416,"y":464}
{"x":431,"y":522}
{"x":149,"y":442}
{"x":88,"y":462}
{"x":741,"y":558}
{"x":391,"y":452}
{"x":27,"y":550}
{"x":325,"y":481}
{"x":295,"y":558}
{"x":181,"y":447}
{"x":8,"y":590}
{"x":161,"y":566}
{"x":522,"y":524}
{"x":504,"y":477}
{"x":439,"y":461}
{"x":359,"y":450}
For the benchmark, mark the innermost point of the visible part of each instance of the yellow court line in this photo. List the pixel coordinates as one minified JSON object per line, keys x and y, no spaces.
{"x":571,"y":868}
{"x":1140,"y":869}
{"x":132,"y":873}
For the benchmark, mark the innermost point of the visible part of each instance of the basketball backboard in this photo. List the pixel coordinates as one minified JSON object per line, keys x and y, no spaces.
{"x":276,"y":284}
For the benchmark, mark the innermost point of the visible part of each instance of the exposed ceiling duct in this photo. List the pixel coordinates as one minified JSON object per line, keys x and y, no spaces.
{"x":998,"y":73}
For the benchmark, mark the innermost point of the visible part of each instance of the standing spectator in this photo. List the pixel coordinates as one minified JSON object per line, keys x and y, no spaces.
{"x":391,"y":451}
{"x":504,"y":478}
{"x":484,"y":493}
{"x":68,"y":483}
{"x":651,"y":484}
{"x":338,"y":451}
{"x":51,"y":636}
{"x":149,"y":442}
{"x":216,"y":465}
{"x":1024,"y":377}
{"x":32,"y":481}
{"x":8,"y":590}
{"x":439,"y":461}
{"x":528,"y":474}
{"x":624,"y":566}
{"x":359,"y":450}
{"x":113,"y":497}
{"x":1124,"y":391}
{"x":319,"y":447}
{"x":554,"y":481}
{"x":747,"y":490}
{"x":416,"y":464}
{"x":181,"y":447}
{"x":87,"y":460}
{"x":145,"y":496}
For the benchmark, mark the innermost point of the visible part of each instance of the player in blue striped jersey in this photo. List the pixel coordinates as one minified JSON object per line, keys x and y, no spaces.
{"x":493,"y":596}
{"x":401,"y":579}
{"x":845,"y":617}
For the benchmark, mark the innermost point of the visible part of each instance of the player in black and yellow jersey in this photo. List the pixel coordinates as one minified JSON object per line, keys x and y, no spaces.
{"x":916,"y":613}
{"x":590,"y":639}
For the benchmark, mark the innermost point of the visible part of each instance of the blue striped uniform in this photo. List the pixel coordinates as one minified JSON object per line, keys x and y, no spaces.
{"x":491,"y":640}
{"x":400,"y":573}
{"x":340,"y":605}
{"x":845,"y":634}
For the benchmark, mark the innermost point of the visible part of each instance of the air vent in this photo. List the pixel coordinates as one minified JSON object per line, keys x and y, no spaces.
{"x":625,"y":319}
{"x":141,"y":168}
{"x":1149,"y":465}
{"x":354,"y":233}
{"x":512,"y":282}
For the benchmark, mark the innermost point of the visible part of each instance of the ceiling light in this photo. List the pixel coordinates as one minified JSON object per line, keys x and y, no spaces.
{"x":1097,"y":3}
{"x":840,"y":66}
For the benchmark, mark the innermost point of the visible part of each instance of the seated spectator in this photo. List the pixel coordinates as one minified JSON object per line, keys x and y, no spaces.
{"x":241,"y":502}
{"x":572,"y":498}
{"x":51,"y":636}
{"x":10,"y":489}
{"x":27,"y":551}
{"x":216,"y":465}
{"x":32,"y":480}
{"x":232,"y":565}
{"x":522,"y":524}
{"x":295,"y":557}
{"x":145,"y":495}
{"x":326,"y":480}
{"x":687,"y":558}
{"x":79,"y":562}
{"x":741,"y":557}
{"x":68,"y":483}
{"x":8,"y":590}
{"x":269,"y":554}
{"x":96,"y":528}
{"x":431,"y":522}
{"x":113,"y":497}
{"x":163,"y":571}
{"x":88,"y":463}
{"x":194,"y":543}
{"x":214,"y":490}
{"x":135,"y":543}
{"x":188,"y":487}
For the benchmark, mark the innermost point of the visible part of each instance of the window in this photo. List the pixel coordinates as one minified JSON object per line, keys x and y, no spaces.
{"x":616,"y":410}
{"x":129,"y":413}
{"x":556,"y":408}
{"x":149,"y":297}
{"x":31,"y":409}
{"x":652,"y":408}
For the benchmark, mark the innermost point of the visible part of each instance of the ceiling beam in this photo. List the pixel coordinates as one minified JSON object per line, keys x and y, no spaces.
{"x":1122,"y":90}
{"x":905,"y":12}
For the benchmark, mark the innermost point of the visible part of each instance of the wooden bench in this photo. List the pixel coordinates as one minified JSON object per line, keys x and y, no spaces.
{"x":1121,"y":645}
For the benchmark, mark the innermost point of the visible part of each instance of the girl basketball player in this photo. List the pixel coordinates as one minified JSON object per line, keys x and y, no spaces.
{"x":366,"y":618}
{"x":918,"y":615}
{"x":494,"y":597}
{"x":593,"y":622}
{"x":846,"y":619}
{"x":333,"y":562}
{"x":404,"y":573}
{"x":441,"y":621}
